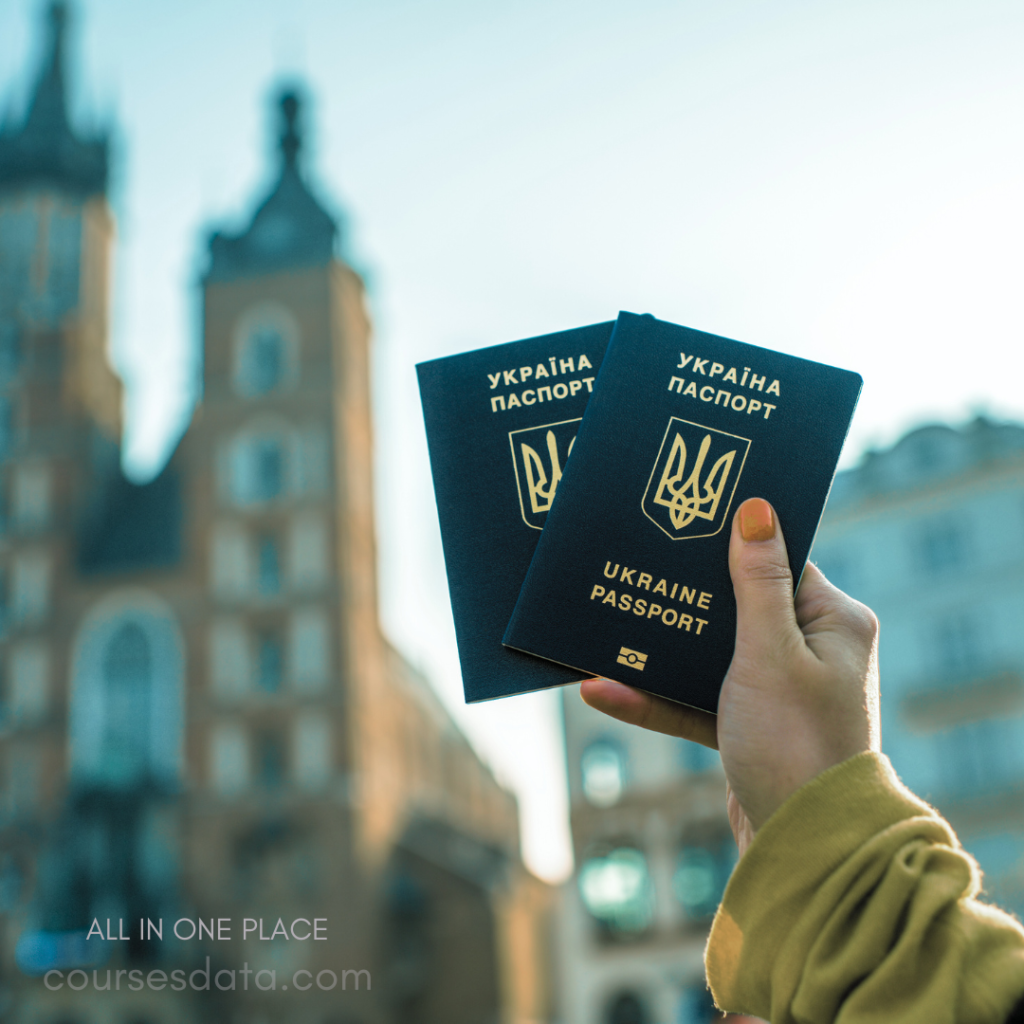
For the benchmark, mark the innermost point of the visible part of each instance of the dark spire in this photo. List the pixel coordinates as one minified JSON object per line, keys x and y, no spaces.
{"x":291,"y":141}
{"x":44,"y":149}
{"x":48,"y":111}
{"x":289,"y":228}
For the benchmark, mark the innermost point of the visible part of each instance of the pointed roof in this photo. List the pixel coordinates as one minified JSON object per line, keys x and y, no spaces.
{"x":289,"y":228}
{"x":45,"y":149}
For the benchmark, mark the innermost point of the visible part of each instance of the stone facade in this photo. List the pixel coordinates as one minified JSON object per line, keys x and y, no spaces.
{"x":930,"y":534}
{"x":202,"y":720}
{"x":653,"y":851}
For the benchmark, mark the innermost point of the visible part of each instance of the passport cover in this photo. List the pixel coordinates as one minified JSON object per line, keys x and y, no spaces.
{"x":500,"y":423}
{"x":630,"y":579}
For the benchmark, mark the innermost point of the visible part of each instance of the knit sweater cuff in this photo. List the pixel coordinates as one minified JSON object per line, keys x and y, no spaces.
{"x":855,"y":898}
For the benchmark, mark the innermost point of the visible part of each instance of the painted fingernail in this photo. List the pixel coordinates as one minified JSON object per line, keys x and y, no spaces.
{"x":756,"y":520}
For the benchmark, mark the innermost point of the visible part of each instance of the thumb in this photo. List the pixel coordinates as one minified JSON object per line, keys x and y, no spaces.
{"x":761,"y":579}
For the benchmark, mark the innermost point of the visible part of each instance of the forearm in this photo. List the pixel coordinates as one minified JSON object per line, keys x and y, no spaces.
{"x":855,"y":903}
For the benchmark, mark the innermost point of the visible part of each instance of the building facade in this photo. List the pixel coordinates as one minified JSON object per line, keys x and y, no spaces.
{"x":653,"y":852}
{"x":930,"y":534}
{"x":201,"y":719}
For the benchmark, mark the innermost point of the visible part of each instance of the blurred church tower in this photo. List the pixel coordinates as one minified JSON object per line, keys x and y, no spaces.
{"x":200,"y":715}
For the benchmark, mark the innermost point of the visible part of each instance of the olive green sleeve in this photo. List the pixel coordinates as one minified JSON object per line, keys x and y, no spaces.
{"x":856,"y":904}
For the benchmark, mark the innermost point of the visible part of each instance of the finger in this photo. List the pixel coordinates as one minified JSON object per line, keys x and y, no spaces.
{"x":814,"y":596}
{"x":761,"y":577}
{"x":637,"y":707}
{"x":822,"y":607}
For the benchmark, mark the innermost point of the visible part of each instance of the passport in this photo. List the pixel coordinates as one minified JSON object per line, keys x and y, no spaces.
{"x":630,"y":579}
{"x":500,"y":423}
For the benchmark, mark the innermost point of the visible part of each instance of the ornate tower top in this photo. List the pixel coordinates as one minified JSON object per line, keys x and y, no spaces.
{"x":290,"y":228}
{"x":44,"y":149}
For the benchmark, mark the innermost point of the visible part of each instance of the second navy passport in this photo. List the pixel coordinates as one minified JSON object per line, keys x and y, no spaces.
{"x":500,"y":424}
{"x":630,"y":579}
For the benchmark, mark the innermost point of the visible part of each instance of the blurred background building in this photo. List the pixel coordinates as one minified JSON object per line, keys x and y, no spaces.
{"x":201,"y":718}
{"x":653,"y":852}
{"x":930,"y":534}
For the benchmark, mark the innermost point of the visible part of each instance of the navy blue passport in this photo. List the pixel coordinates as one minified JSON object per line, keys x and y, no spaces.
{"x":630,"y":579}
{"x":500,"y":424}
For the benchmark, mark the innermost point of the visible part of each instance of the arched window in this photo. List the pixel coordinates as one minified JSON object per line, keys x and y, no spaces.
{"x":261,"y":464}
{"x":603,"y":773}
{"x":266,"y":350}
{"x":126,"y":711}
{"x":268,"y":564}
{"x":626,"y":1008}
{"x":702,"y":871}
{"x":616,"y":888}
{"x":265,"y":358}
{"x":127,"y":678}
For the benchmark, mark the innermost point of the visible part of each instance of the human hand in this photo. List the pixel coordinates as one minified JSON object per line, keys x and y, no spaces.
{"x":801,"y":693}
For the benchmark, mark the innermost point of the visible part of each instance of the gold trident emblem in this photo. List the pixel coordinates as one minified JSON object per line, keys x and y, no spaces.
{"x":686,"y":500}
{"x":541,"y":488}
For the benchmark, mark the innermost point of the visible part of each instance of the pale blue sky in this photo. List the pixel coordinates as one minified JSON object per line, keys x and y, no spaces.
{"x":841,"y":181}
